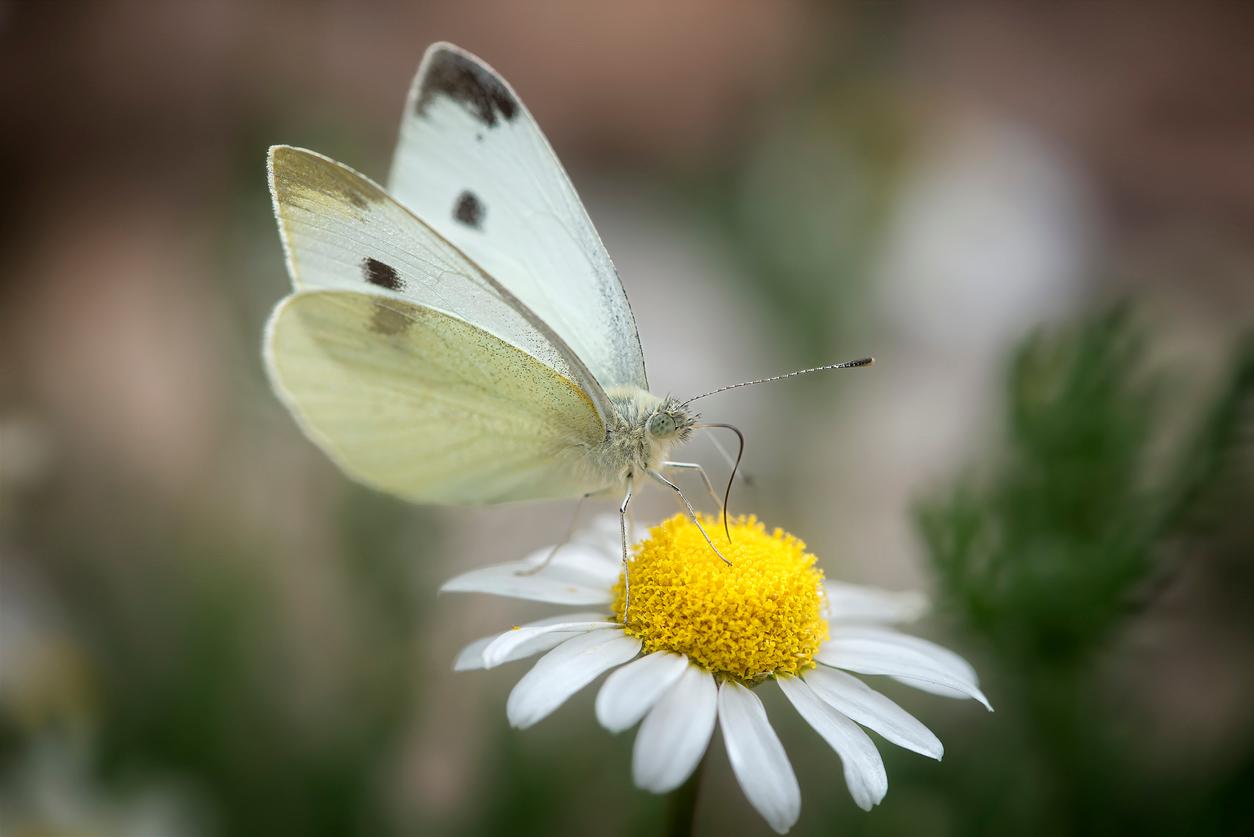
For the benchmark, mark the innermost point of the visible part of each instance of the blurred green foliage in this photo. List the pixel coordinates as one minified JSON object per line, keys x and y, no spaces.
{"x":1070,"y":508}
{"x":204,"y":691}
{"x":1057,"y":548}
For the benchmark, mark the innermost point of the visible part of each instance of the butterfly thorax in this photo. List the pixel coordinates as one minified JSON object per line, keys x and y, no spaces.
{"x":640,"y":433}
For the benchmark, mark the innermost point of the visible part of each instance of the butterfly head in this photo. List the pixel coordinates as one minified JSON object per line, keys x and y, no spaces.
{"x":670,"y":421}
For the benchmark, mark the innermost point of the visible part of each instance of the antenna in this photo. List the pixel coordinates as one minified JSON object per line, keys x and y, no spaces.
{"x":848,"y":364}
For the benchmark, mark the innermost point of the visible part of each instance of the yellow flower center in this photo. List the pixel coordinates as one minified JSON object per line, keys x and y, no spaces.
{"x":758,"y":617}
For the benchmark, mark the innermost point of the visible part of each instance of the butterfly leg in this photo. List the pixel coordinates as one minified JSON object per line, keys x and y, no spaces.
{"x":570,"y":533}
{"x":692,"y":513}
{"x":709,"y":486}
{"x":622,"y":527}
{"x":705,"y":478}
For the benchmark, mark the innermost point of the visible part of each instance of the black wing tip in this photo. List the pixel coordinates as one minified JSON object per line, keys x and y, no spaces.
{"x":448,"y":70}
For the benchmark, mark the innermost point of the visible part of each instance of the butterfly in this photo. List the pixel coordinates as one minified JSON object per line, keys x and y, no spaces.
{"x":461,"y":336}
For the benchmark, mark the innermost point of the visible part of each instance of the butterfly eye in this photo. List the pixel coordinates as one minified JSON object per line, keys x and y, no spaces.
{"x":662,"y":424}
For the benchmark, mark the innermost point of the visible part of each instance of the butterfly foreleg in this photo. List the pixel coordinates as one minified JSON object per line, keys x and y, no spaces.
{"x":705,"y":478}
{"x":709,"y":486}
{"x":622,"y":528}
{"x":692,"y":513}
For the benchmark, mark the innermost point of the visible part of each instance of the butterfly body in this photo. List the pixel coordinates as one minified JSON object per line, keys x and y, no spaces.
{"x":640,"y":435}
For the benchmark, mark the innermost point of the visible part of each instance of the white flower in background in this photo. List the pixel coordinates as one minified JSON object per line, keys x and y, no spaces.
{"x":701,"y":636}
{"x":50,"y":790}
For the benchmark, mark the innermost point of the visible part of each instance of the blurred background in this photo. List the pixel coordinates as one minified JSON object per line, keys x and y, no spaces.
{"x":1037,"y":217}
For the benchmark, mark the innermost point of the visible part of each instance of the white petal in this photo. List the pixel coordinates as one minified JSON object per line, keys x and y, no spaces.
{"x":510,"y":644}
{"x":675,"y":733}
{"x":932,"y":688}
{"x":856,"y":603}
{"x":561,"y":582}
{"x":876,"y":656}
{"x":471,"y":657}
{"x":632,"y":690}
{"x":595,"y":550}
{"x":565,"y":670}
{"x":951,"y":661}
{"x":864,"y":769}
{"x":757,"y":758}
{"x":850,"y":696}
{"x":602,"y":544}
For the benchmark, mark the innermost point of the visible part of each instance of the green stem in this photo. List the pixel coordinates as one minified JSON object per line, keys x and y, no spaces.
{"x":682,"y":810}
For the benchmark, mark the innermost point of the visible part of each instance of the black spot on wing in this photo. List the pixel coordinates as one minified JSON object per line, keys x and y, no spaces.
{"x":470,"y":83}
{"x":382,"y":275}
{"x":469,"y":210}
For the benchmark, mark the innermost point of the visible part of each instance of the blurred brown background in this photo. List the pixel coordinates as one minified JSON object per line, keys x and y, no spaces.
{"x":206,"y":630}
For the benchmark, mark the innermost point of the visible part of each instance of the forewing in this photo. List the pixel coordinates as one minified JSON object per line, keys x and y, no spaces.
{"x":342,"y":231}
{"x":427,"y":406}
{"x":472,"y":162}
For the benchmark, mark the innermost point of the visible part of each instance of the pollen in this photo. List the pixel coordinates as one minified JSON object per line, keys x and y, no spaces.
{"x":760,"y":616}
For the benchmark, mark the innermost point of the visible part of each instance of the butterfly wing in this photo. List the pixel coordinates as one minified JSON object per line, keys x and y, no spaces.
{"x":427,"y":406}
{"x":472,"y":162}
{"x":445,"y":335}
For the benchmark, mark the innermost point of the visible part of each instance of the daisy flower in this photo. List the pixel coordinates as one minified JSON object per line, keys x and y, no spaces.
{"x":700,"y":637}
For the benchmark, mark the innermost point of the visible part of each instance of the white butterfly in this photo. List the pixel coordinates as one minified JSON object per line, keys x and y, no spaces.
{"x":462,"y":337}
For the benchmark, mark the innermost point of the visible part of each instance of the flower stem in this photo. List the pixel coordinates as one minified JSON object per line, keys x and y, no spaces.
{"x":682,"y":810}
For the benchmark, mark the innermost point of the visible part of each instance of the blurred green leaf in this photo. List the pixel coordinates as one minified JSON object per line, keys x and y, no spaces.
{"x":1074,"y":524}
{"x":1042,"y":552}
